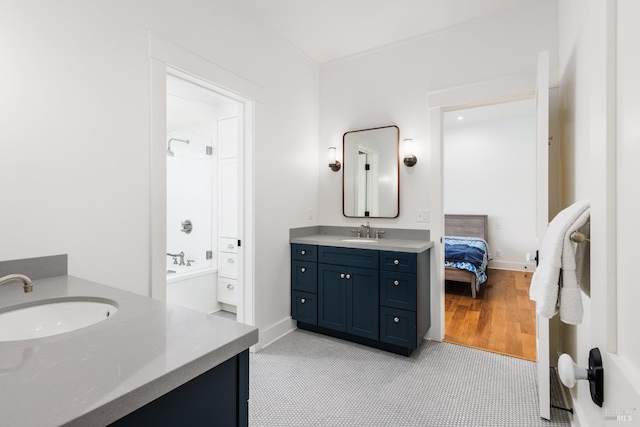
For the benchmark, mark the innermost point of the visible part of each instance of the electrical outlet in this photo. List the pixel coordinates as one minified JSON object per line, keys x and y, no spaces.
{"x":498,"y":254}
{"x":422,"y":215}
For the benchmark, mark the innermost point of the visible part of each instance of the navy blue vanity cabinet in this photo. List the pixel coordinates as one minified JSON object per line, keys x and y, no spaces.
{"x":218,"y":397}
{"x":304,"y":283}
{"x":372,"y":297}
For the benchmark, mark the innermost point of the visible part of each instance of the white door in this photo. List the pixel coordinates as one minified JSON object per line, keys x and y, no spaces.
{"x":542,"y":220}
{"x":615,"y":231}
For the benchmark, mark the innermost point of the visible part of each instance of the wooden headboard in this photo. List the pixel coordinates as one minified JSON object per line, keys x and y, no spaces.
{"x":466,"y":226}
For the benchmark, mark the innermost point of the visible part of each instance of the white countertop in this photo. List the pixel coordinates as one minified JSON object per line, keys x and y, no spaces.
{"x":95,"y":375}
{"x":383,"y":244}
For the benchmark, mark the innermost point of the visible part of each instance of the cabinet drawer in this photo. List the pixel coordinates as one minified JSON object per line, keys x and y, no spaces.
{"x":304,"y":252}
{"x":227,"y":291}
{"x":228,"y":265}
{"x":402,"y":262}
{"x":304,"y":307}
{"x":348,"y":256}
{"x":304,"y":276}
{"x":398,"y":327}
{"x":398,"y":290}
{"x":226,"y":244}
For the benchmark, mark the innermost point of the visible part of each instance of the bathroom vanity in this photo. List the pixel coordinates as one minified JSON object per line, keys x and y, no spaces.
{"x":371,"y":291}
{"x":150,"y":363}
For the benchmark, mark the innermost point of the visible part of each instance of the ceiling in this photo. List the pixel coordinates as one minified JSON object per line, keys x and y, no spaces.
{"x":507,"y":110}
{"x":328,"y":30}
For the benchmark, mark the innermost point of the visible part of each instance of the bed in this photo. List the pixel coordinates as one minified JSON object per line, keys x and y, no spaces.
{"x":466,"y":251}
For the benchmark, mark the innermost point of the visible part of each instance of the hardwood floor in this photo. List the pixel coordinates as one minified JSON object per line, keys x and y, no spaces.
{"x":500,"y":320}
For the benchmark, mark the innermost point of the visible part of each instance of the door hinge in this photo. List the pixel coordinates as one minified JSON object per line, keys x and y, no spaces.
{"x":239,"y":242}
{"x":209,"y":254}
{"x":209,"y":150}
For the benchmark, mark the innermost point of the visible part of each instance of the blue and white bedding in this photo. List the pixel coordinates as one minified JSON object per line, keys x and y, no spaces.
{"x":468,"y":253}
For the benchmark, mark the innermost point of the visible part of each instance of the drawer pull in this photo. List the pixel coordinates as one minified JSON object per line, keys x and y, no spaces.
{"x":342,"y":276}
{"x":303,"y":252}
{"x":396,"y":283}
{"x":395,"y":319}
{"x":303,"y":269}
{"x":396,"y":262}
{"x":230,"y":286}
{"x":348,"y":276}
{"x":303,"y":300}
{"x":230,"y":246}
{"x":230,"y":260}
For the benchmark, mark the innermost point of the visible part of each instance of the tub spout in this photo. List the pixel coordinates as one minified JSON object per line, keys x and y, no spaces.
{"x":27,"y":284}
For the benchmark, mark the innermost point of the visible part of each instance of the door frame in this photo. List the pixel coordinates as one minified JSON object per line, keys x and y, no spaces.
{"x":508,"y":89}
{"x":167,"y":57}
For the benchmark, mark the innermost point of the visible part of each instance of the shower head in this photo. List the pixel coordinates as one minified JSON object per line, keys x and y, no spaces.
{"x":171,"y":153}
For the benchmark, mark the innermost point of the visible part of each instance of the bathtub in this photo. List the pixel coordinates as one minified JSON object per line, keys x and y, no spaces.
{"x":193,"y":287}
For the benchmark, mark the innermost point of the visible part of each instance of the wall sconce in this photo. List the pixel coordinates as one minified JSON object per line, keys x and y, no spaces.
{"x":334,"y":164}
{"x":410,"y":159}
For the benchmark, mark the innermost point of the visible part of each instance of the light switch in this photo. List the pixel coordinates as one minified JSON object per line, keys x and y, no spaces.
{"x":422,"y":215}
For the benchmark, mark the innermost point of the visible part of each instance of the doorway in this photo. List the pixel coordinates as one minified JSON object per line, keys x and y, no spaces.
{"x":204,"y":131}
{"x":489,"y":168}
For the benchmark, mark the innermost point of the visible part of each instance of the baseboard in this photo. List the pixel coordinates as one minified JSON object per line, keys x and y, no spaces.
{"x":513,"y":266}
{"x":274,"y":332}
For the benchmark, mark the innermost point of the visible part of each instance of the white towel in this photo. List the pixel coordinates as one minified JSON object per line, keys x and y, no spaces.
{"x":545,"y":281}
{"x":570,"y":295}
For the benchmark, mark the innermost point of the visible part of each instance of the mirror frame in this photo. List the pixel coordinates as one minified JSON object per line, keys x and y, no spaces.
{"x":397,"y":171}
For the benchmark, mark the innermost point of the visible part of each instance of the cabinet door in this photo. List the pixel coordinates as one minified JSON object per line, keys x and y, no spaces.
{"x":398,"y":290}
{"x":304,"y":307}
{"x":362,"y":302}
{"x":228,"y":198}
{"x":332,"y":297}
{"x":398,"y":327}
{"x":304,"y":276}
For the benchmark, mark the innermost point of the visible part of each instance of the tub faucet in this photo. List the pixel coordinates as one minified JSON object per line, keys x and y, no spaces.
{"x":27,"y":284}
{"x":181,"y":255}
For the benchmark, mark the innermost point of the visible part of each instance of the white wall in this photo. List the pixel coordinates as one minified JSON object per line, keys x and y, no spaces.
{"x":490,"y":168}
{"x":74,"y":115}
{"x":391,"y":86}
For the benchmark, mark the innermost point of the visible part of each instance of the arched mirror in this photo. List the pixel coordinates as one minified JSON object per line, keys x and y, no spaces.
{"x":371,"y":177}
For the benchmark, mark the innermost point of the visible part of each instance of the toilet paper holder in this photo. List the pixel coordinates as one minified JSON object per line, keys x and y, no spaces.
{"x":570,"y":373}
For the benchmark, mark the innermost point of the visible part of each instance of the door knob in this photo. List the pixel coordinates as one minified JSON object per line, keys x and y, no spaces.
{"x":570,"y":373}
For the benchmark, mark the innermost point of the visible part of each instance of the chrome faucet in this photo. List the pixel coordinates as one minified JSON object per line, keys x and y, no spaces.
{"x":181,"y":255}
{"x":367,"y":230}
{"x":27,"y":284}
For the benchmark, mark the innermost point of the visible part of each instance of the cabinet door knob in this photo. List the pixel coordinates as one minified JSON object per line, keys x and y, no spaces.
{"x":303,"y":300}
{"x":342,"y":276}
{"x":348,"y":276}
{"x":396,"y":283}
{"x":230,"y":246}
{"x":230,"y":260}
{"x":395,"y":319}
{"x":396,"y":262}
{"x":303,"y":269}
{"x":303,"y":252}
{"x":230,"y":286}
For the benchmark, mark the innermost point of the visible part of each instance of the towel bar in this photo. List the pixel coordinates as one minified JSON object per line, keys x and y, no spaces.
{"x":578,"y":237}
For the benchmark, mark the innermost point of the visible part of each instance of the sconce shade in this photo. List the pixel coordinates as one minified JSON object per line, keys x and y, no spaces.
{"x":409,"y":158}
{"x":333,"y":163}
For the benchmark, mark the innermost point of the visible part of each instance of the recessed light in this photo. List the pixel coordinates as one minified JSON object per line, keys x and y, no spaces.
{"x":460,"y":118}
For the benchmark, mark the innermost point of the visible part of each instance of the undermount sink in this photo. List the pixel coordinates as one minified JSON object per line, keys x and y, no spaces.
{"x":360,"y":240}
{"x":53,"y":317}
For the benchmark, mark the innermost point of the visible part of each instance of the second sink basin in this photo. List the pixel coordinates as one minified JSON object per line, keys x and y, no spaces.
{"x":360,"y":240}
{"x":52,"y":317}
